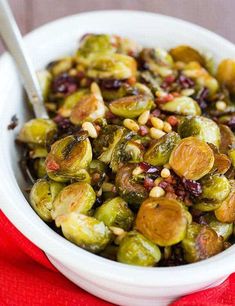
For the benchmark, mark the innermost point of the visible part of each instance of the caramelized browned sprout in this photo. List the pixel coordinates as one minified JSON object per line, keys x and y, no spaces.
{"x":182,"y":106}
{"x":163,"y":221}
{"x":192,"y":158}
{"x":226,"y":211}
{"x":186,"y":54}
{"x":226,"y":74}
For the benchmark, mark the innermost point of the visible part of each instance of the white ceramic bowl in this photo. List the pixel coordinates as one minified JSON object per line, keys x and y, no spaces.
{"x":112,"y":281}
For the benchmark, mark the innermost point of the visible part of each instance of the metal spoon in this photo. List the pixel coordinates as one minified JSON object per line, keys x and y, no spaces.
{"x":11,"y":36}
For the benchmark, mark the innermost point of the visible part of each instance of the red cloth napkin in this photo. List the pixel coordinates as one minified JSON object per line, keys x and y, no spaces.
{"x":27,"y":278}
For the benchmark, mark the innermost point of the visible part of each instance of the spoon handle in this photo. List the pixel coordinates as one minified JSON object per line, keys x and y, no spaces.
{"x":11,"y":36}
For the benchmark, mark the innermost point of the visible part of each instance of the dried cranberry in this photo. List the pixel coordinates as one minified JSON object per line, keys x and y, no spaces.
{"x":193,"y":187}
{"x":201,"y":97}
{"x":185,"y":82}
{"x":148,"y":183}
{"x":62,"y":123}
{"x":64,"y":84}
{"x":110,"y":84}
{"x":143,"y":131}
{"x":172,"y":120}
{"x":147,"y":168}
{"x":163,"y":184}
{"x":156,"y":113}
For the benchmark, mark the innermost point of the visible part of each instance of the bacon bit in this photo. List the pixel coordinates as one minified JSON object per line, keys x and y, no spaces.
{"x":131,"y":80}
{"x":148,"y":183}
{"x":80,"y":74}
{"x":147,"y":168}
{"x":169,"y":79}
{"x":165,"y":99}
{"x":143,"y":130}
{"x":175,"y":94}
{"x":172,"y":120}
{"x":52,"y":165}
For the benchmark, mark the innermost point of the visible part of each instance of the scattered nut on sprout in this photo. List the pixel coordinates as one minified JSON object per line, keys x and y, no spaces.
{"x":131,"y":125}
{"x":144,"y":117}
{"x":157,"y":123}
{"x":188,"y":92}
{"x":156,"y":133}
{"x":157,"y":192}
{"x":117,"y":230}
{"x":220,"y":105}
{"x":89,"y":127}
{"x":167,"y":127}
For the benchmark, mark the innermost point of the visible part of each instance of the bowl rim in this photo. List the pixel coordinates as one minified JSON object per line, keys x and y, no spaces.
{"x":215,"y":267}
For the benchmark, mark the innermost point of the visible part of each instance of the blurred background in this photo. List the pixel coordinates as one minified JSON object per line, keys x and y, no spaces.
{"x":215,"y":15}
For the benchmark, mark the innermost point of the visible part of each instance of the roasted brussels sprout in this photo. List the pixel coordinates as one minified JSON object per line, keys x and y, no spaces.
{"x":187,"y":54}
{"x":87,"y":232}
{"x":61,"y":65}
{"x":227,"y":138}
{"x":131,"y":107}
{"x":89,"y":108}
{"x":137,"y":250}
{"x":215,"y":187}
{"x":201,"y":127}
{"x":71,"y":101}
{"x":182,"y":106}
{"x":207,"y":206}
{"x":222,"y":163}
{"x":45,"y":78}
{"x":77,"y":197}
{"x":112,"y":66}
{"x":159,"y":152}
{"x":131,"y":191}
{"x":37,"y":131}
{"x":68,"y":158}
{"x":201,"y":76}
{"x":162,"y":220}
{"x":226,"y":211}
{"x":115,"y":212}
{"x":222,"y":229}
{"x":192,"y":158}
{"x":201,"y":242}
{"x":42,"y":195}
{"x":93,"y":45}
{"x":226,"y":74}
{"x":40,"y":167}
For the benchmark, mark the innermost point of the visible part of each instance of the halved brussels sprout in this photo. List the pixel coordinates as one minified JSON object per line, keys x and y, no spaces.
{"x":215,"y":187}
{"x":126,"y":150}
{"x":37,"y":151}
{"x":207,"y":206}
{"x":45,"y":78}
{"x":201,"y":127}
{"x":106,"y":156}
{"x":112,"y":66}
{"x":182,"y":106}
{"x":227,"y":138}
{"x":162,"y":220}
{"x":85,"y":231}
{"x":77,"y":197}
{"x":37,"y":131}
{"x":68,"y":158}
{"x":61,"y":65}
{"x":42,"y":195}
{"x":158,"y":61}
{"x":201,"y":76}
{"x":222,"y":163}
{"x":222,"y":229}
{"x":137,"y":250}
{"x":70,"y":102}
{"x":226,"y":74}
{"x":115,"y":212}
{"x":201,"y":242}
{"x":159,"y":152}
{"x":186,"y":54}
{"x":226,"y":211}
{"x":131,"y":191}
{"x":95,"y":45}
{"x":40,"y":167}
{"x":192,"y":158}
{"x":131,"y":107}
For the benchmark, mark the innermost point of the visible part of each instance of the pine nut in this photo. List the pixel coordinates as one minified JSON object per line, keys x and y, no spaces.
{"x":89,"y":127}
{"x":187,"y":92}
{"x":156,"y":133}
{"x":117,"y":230}
{"x":131,"y":125}
{"x":220,"y":105}
{"x":144,"y":117}
{"x":157,"y":123}
{"x":157,"y":192}
{"x":167,"y":127}
{"x":165,"y":173}
{"x":137,"y":171}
